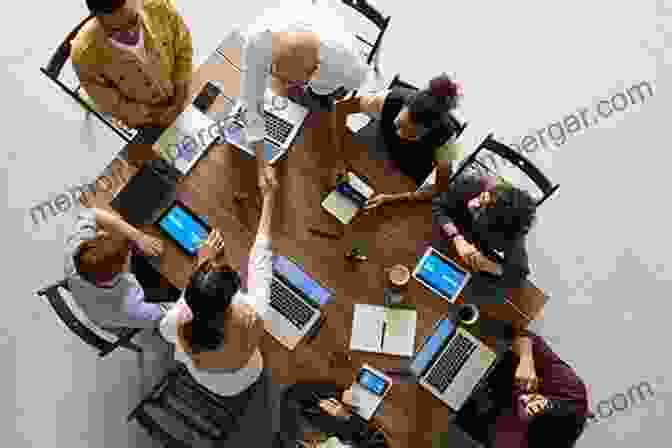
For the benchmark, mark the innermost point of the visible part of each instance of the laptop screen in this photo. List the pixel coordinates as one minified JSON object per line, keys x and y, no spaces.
{"x":445,"y":277}
{"x":432,"y":347}
{"x":301,"y":280}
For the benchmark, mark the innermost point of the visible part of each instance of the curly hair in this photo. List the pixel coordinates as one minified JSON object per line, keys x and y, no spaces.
{"x":99,"y":7}
{"x":512,"y":214}
{"x":427,"y":107}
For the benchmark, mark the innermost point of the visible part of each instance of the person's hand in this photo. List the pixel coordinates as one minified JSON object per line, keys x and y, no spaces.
{"x":464,"y":248}
{"x":334,"y":408}
{"x":149,"y":245}
{"x":534,"y":404}
{"x":526,"y":375}
{"x":377,"y":200}
{"x":212,"y":247}
{"x":268,"y":184}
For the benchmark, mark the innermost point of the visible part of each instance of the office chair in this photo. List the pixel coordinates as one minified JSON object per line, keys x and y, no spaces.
{"x":121,"y":337}
{"x":511,"y":156}
{"x":53,"y":72}
{"x":381,"y":22}
{"x":179,"y":412}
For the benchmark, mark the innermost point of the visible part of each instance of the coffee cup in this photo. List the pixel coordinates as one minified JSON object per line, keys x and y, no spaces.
{"x":399,"y":275}
{"x":467,"y":313}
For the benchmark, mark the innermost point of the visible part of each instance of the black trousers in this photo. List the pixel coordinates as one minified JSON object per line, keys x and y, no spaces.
{"x":301,"y":400}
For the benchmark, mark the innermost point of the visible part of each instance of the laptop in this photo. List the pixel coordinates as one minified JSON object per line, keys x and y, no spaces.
{"x":441,"y":275}
{"x":185,"y":142}
{"x":295,"y":302}
{"x":451,"y":363}
{"x":283,"y":123}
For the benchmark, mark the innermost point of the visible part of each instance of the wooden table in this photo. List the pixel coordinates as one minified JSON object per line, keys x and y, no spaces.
{"x":392,"y":234}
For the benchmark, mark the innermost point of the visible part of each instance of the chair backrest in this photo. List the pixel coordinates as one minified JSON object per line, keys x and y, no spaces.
{"x":378,"y":19}
{"x":54,"y":69}
{"x":179,"y":411}
{"x":458,"y":126}
{"x":481,"y":162}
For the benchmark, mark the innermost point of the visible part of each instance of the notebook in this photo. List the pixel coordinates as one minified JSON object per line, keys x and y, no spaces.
{"x":388,"y":330}
{"x":348,"y":198}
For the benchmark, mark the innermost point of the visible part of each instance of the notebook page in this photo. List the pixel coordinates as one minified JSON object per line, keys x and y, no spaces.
{"x":367,"y":328}
{"x":400,"y":331}
{"x":340,"y":206}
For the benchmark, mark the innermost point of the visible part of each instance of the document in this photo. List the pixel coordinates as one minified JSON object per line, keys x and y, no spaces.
{"x":388,"y":330}
{"x":345,"y":206}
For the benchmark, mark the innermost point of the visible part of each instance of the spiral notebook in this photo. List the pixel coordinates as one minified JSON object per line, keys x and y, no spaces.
{"x":388,"y":330}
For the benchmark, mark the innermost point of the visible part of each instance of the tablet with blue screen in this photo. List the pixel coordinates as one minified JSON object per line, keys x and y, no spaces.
{"x":183,"y":226}
{"x":441,"y":275}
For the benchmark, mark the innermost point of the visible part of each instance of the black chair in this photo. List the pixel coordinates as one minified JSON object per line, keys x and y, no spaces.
{"x":53,"y":72}
{"x":480,"y":164}
{"x":87,"y":334}
{"x":381,"y":22}
{"x":179,"y":412}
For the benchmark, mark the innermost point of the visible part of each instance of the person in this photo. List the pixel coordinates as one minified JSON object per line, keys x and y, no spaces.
{"x":318,"y":402}
{"x":478,"y":215}
{"x":98,"y":274}
{"x":535,"y":399}
{"x":135,"y":61}
{"x":215,"y":326}
{"x":300,"y":48}
{"x":413,"y":127}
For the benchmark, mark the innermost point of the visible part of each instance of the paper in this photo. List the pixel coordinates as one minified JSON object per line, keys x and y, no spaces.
{"x":342,"y":207}
{"x":359,"y":185}
{"x":400,"y":331}
{"x":355,"y":122}
{"x":367,"y":328}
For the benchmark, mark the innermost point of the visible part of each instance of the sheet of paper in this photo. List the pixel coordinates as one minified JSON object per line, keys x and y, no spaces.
{"x":355,"y":122}
{"x":342,"y":207}
{"x":400,"y":331}
{"x":367,"y":327}
{"x":359,"y":185}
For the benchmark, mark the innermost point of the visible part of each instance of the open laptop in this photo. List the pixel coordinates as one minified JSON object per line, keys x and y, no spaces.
{"x":185,"y":142}
{"x":283,"y":123}
{"x":451,"y":363}
{"x":295,"y":302}
{"x":441,"y":274}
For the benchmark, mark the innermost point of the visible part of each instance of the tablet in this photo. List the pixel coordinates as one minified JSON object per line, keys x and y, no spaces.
{"x":376,"y":384}
{"x":441,"y":275}
{"x":184,"y":227}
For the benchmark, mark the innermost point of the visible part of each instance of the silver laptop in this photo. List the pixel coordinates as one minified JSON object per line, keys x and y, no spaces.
{"x":295,"y":303}
{"x":283,"y":118}
{"x":441,"y":275}
{"x":451,"y":363}
{"x":187,"y":139}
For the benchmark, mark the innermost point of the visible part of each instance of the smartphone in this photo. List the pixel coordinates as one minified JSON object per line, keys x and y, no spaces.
{"x":207,"y":96}
{"x":372,"y":382}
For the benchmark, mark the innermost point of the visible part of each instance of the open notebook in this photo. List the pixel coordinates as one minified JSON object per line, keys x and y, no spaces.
{"x":389,"y":330}
{"x":348,"y":198}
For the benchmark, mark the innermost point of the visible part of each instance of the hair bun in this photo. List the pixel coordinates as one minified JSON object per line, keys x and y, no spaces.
{"x":443,"y":86}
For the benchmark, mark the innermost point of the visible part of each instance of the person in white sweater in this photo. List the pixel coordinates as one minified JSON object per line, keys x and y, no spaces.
{"x":215,"y":326}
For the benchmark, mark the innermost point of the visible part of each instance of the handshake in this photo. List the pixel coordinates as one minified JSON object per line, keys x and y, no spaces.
{"x":268,"y":184}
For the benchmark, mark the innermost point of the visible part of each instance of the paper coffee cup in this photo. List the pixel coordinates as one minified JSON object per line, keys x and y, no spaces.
{"x":399,"y":275}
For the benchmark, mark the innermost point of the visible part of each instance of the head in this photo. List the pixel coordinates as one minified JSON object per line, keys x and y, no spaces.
{"x":100,"y":259}
{"x":209,"y":294}
{"x":115,"y":16}
{"x":426,"y":109}
{"x":507,"y":211}
{"x":295,"y":56}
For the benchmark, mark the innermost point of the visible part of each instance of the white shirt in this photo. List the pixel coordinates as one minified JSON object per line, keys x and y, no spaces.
{"x":340,"y":63}
{"x":258,"y":295}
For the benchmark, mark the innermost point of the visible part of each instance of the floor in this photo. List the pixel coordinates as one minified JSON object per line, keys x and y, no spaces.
{"x":520,"y":68}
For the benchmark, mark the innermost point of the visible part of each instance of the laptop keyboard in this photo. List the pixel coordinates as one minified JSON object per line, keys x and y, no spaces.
{"x":276,"y":128}
{"x":450,"y":363}
{"x":290,"y":306}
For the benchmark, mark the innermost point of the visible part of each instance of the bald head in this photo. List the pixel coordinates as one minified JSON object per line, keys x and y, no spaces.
{"x":295,"y":54}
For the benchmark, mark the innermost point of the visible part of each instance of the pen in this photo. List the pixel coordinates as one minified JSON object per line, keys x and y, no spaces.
{"x":382,"y":338}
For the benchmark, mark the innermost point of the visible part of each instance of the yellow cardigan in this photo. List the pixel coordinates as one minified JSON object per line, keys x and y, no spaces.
{"x":121,"y":84}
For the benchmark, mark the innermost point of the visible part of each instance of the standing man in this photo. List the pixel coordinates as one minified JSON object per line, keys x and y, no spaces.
{"x":134,"y":60}
{"x":303,"y":48}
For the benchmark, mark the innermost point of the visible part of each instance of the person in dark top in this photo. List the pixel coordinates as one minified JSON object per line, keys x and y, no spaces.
{"x":481,"y":217}
{"x":413,"y":127}
{"x":532,"y":399}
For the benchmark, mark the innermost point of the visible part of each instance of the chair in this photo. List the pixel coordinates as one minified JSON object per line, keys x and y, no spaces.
{"x":179,"y":412}
{"x":53,"y":72}
{"x":512,"y":157}
{"x":121,"y":338}
{"x":372,"y":50}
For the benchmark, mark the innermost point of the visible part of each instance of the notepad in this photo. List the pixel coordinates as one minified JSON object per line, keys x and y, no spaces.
{"x":389,"y":330}
{"x":348,"y":198}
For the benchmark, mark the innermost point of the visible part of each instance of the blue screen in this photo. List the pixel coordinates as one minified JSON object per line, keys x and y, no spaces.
{"x":298,"y":278}
{"x":433,"y":345}
{"x":186,"y":230}
{"x":441,"y":275}
{"x":372,"y":382}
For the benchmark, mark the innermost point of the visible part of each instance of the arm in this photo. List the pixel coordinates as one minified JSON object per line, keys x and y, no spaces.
{"x":260,"y":270}
{"x":184,"y":53}
{"x":137,"y":309}
{"x":115,"y":223}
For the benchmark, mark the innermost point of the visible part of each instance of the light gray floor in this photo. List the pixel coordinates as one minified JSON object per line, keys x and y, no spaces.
{"x":599,"y":248}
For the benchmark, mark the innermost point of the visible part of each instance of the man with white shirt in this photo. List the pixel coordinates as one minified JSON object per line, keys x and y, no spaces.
{"x":306,"y":48}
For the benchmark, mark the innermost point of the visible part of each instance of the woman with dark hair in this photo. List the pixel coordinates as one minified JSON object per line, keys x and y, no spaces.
{"x":413,"y":128}
{"x":216,"y":327}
